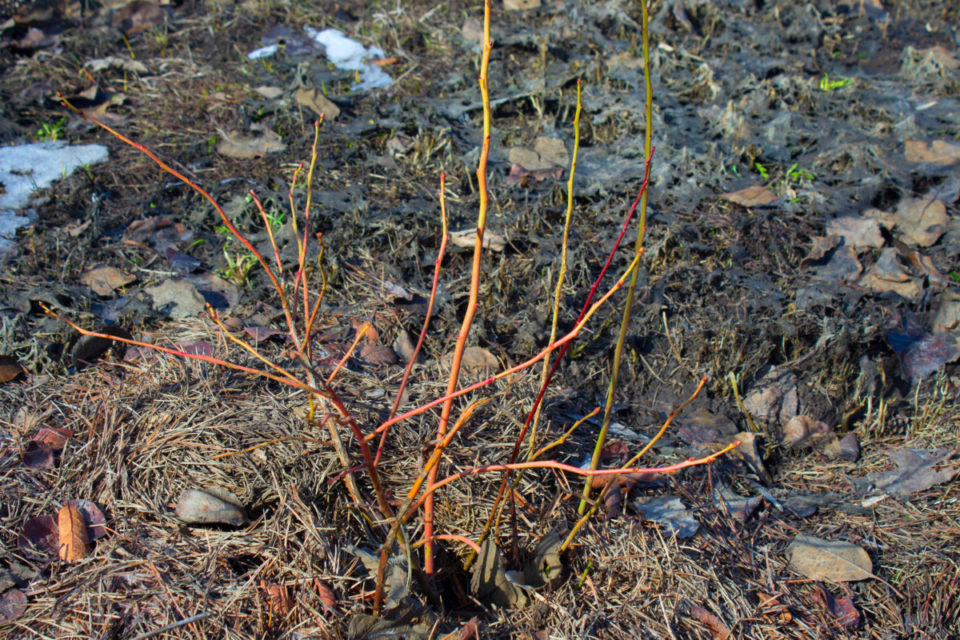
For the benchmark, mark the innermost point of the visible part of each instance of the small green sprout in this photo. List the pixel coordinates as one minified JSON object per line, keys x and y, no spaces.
{"x":51,"y":132}
{"x":762,"y":170}
{"x":826,"y":84}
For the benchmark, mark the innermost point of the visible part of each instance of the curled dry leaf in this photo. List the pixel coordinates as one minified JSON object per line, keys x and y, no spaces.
{"x":200,"y":507}
{"x":37,"y":455}
{"x":239,"y":145}
{"x":92,"y":516}
{"x":713,"y":624}
{"x":74,"y":540}
{"x":842,"y":609}
{"x":53,"y":438}
{"x":314,"y":100}
{"x":90,"y":348}
{"x":278,"y":596}
{"x":835,"y":561}
{"x":10,"y":369}
{"x":799,"y":429}
{"x":327,"y":597}
{"x":39,"y":532}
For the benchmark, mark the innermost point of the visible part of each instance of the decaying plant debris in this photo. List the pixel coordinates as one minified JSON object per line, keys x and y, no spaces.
{"x":830,"y":293}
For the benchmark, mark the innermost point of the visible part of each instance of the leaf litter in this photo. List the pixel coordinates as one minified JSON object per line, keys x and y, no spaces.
{"x":738,"y":293}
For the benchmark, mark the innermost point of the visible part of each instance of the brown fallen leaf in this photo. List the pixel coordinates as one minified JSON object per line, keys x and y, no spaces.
{"x":74,"y":540}
{"x":917,"y":470}
{"x":10,"y":369}
{"x":235,"y":144}
{"x":831,"y":560}
{"x":139,"y":16}
{"x":378,"y":355}
{"x":714,"y":625}
{"x":36,"y":455}
{"x":478,"y":358}
{"x":278,"y":596}
{"x":936,"y":152}
{"x":201,"y":507}
{"x":887,"y":275}
{"x":90,"y":348}
{"x":753,"y":196}
{"x":467,"y":238}
{"x":856,"y":231}
{"x":842,"y":609}
{"x":799,"y":429}
{"x":921,"y":220}
{"x":469,"y":631}
{"x":105,"y":280}
{"x":314,"y":100}
{"x":53,"y":437}
{"x":326,"y":594}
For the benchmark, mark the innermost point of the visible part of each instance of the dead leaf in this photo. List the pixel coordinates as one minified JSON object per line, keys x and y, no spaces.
{"x":545,"y":568}
{"x":37,"y":456}
{"x":887,"y":275}
{"x":467,"y":239}
{"x":326,"y":595}
{"x":90,"y":348}
{"x":948,"y":313}
{"x":404,"y":346}
{"x":10,"y":369}
{"x":378,"y":355}
{"x":936,"y":152}
{"x":240,"y":145}
{"x":820,"y":246}
{"x":115,"y":62}
{"x":520,"y":5}
{"x":260,"y":334}
{"x":547,"y":154}
{"x":39,"y":532}
{"x":739,"y":507}
{"x":670,"y":512}
{"x":314,"y":100}
{"x":73,"y":534}
{"x":52,"y":437}
{"x":278,"y":596}
{"x":845,"y":448}
{"x":478,"y":358}
{"x":489,"y":581}
{"x":216,"y":291}
{"x":700,"y":426}
{"x":921,"y":220}
{"x":105,"y":280}
{"x":196,"y":348}
{"x":714,"y":625}
{"x":13,"y":603}
{"x":753,"y":196}
{"x":138,"y":16}
{"x":92,"y":516}
{"x":469,"y":631}
{"x":801,"y":428}
{"x":842,"y":609}
{"x":917,"y":470}
{"x":773,"y":397}
{"x":834,"y":561}
{"x":856,"y":231}
{"x":177,"y":299}
{"x":201,"y":507}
